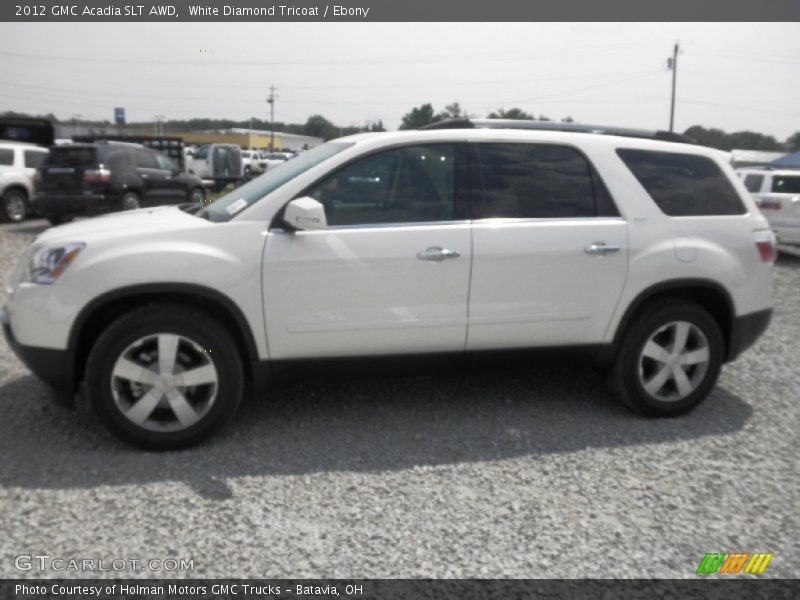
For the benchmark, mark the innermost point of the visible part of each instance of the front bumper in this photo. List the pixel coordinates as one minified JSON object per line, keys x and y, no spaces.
{"x":746,"y":329}
{"x":55,"y":367}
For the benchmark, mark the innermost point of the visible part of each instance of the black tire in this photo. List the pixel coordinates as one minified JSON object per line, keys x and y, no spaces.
{"x":632,"y":368}
{"x":247,"y":173}
{"x":15,"y":207}
{"x":58,"y":219}
{"x":107,"y":394}
{"x":130,"y":201}
{"x":197,"y":195}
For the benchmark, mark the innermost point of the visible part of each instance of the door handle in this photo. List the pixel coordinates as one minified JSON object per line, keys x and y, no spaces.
{"x":437,"y":254}
{"x":601,"y":249}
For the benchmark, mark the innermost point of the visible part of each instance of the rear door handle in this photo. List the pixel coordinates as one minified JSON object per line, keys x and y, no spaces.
{"x":601,"y":249}
{"x":437,"y":254}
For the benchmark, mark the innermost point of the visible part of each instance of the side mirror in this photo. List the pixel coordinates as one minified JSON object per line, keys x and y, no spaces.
{"x":305,"y":213}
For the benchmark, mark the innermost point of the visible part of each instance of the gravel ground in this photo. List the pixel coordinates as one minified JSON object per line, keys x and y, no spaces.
{"x":530,"y":474}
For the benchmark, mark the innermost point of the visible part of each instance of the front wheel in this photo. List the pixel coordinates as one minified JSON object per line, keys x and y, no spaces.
{"x":14,"y":207}
{"x":197,"y":195}
{"x":669,"y":359}
{"x":164,"y":377}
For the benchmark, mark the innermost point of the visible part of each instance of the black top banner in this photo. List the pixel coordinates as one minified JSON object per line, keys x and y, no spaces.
{"x":405,"y":10}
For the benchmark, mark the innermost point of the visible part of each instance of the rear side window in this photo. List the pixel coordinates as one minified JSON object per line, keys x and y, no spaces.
{"x":536,"y":181}
{"x":33,"y":159}
{"x":6,"y":157}
{"x":71,"y":157}
{"x":753,"y":183}
{"x":786,"y":184}
{"x":683,"y":185}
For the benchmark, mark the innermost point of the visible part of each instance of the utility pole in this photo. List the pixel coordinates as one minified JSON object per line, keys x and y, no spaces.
{"x":672,"y":63}
{"x":271,"y":102}
{"x":159,"y":126}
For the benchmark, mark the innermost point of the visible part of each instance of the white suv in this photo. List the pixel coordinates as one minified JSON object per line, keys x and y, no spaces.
{"x":478,"y":238}
{"x":18,"y":164}
{"x":777,"y":194}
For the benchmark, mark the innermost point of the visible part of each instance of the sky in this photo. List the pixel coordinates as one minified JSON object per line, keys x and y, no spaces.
{"x":733,"y":76}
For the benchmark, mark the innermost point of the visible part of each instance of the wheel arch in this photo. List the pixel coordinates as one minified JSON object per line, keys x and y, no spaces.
{"x":17,"y":186}
{"x":709,"y":294}
{"x":101,"y":311}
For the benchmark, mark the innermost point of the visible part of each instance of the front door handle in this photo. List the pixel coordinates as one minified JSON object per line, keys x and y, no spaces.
{"x":437,"y":254}
{"x":601,"y":249}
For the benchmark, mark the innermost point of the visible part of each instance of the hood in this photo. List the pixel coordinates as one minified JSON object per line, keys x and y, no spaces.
{"x":162,"y":218}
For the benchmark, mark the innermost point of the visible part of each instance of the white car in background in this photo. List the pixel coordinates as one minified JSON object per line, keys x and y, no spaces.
{"x":777,"y":194}
{"x":274,"y":159}
{"x":252,"y":164}
{"x":18,"y":164}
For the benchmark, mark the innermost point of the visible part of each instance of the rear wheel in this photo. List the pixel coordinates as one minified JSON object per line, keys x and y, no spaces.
{"x":130,"y":201}
{"x":669,"y":359}
{"x":164,"y":377}
{"x":15,"y":206}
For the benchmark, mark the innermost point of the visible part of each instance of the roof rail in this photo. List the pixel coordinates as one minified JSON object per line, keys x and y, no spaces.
{"x":465,"y":123}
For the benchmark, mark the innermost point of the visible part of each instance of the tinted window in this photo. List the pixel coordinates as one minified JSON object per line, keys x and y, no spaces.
{"x":406,"y":185}
{"x":239,"y":199}
{"x":753,"y":183}
{"x":683,"y":184}
{"x":6,"y":157}
{"x":786,"y":184}
{"x":118,"y":158}
{"x":165,"y":163}
{"x":201,"y":152}
{"x":71,"y":156}
{"x":534,"y":181}
{"x":33,"y":159}
{"x":145,"y":159}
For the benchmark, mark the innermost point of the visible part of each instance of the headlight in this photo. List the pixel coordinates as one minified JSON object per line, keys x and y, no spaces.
{"x":47,"y":263}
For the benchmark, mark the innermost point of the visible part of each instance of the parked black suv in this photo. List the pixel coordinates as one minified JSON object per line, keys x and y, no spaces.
{"x":84,"y":179}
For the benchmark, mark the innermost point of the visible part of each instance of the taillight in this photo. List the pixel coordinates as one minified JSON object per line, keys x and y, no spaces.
{"x":767,"y":251}
{"x":37,"y":178}
{"x":100,"y":175}
{"x":766,"y":244}
{"x":768,"y":204}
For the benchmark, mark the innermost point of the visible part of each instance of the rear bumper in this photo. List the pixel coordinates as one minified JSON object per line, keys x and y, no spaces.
{"x":746,"y":329}
{"x":77,"y":204}
{"x":55,"y":367}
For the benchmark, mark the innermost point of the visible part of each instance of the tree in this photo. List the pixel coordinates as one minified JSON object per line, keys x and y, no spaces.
{"x":418,"y":117}
{"x":511,"y":113}
{"x":793,"y":141}
{"x":741,"y":140}
{"x":319,"y":126}
{"x":451,"y":111}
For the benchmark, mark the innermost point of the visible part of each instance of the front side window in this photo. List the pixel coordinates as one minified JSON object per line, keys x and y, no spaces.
{"x":145,"y":159}
{"x":164,"y":163}
{"x":786,"y":184}
{"x":683,"y":185}
{"x":412,"y":184}
{"x":34,"y":159}
{"x":536,"y":181}
{"x":753,"y":183}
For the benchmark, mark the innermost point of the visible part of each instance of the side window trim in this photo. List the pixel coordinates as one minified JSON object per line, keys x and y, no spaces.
{"x":476,"y":183}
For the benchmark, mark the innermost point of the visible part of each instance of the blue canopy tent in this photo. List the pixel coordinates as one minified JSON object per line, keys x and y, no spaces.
{"x":790,"y":161}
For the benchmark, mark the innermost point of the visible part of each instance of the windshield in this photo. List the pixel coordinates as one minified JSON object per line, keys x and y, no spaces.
{"x":239,"y":199}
